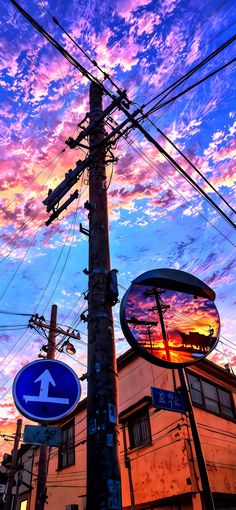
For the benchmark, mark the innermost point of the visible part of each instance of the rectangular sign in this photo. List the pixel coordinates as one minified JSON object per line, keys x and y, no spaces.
{"x":169,"y":400}
{"x":35,"y":434}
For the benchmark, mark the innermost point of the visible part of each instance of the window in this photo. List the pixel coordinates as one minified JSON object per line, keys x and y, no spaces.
{"x":67,"y":448}
{"x":23,"y":504}
{"x":139,"y":428}
{"x":211,"y":396}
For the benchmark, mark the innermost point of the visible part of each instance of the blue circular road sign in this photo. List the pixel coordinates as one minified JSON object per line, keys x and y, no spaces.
{"x":46,"y":390}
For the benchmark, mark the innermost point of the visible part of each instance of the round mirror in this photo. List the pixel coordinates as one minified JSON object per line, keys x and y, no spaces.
{"x":170,"y":327}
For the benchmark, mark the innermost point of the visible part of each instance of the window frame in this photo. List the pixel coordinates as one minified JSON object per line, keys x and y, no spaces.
{"x":218,"y":388}
{"x":66,"y":451}
{"x":134,"y":417}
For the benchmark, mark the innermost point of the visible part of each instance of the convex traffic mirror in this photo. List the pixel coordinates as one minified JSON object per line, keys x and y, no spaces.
{"x":170,"y":317}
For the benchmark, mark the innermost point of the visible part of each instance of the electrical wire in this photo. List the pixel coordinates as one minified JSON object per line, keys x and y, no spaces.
{"x":38,"y":175}
{"x":179,"y":168}
{"x":199,"y":82}
{"x":69,"y":250}
{"x":5,"y":312}
{"x":55,"y":265}
{"x":192,"y":71}
{"x":30,"y":218}
{"x":194,"y":167}
{"x":59,"y":65}
{"x":192,"y":33}
{"x":160,"y":173}
{"x":62,"y":50}
{"x":19,"y":265}
{"x":92,"y":61}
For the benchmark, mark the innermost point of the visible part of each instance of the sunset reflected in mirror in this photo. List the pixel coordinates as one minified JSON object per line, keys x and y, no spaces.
{"x":172,"y":326}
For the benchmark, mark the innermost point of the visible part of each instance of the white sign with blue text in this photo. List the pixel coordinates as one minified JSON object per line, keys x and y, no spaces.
{"x":36,"y":434}
{"x":46,"y":390}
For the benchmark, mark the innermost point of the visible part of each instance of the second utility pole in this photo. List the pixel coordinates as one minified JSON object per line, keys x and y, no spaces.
{"x":103,"y":470}
{"x":43,"y":450}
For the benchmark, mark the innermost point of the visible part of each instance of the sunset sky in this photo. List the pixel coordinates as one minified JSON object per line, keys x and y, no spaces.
{"x":157,"y":219}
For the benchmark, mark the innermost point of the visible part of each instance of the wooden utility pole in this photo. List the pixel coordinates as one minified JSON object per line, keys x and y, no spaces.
{"x":103,"y":470}
{"x":10,"y":483}
{"x":43,"y":451}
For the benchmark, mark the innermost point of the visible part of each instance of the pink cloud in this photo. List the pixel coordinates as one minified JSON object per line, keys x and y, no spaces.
{"x":116,"y":54}
{"x":194,"y":52}
{"x":126,"y":7}
{"x":227,"y":152}
{"x":145,"y":23}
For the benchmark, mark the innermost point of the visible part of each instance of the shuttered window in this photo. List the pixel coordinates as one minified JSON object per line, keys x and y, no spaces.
{"x":139,"y":428}
{"x":67,"y":448}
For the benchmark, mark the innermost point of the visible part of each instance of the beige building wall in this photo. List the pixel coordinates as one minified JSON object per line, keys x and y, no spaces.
{"x":164,"y":472}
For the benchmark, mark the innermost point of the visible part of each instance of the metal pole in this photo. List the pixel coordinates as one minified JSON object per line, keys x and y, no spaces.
{"x":43,"y":451}
{"x":103,"y":469}
{"x":206,"y":489}
{"x":10,"y":483}
{"x":128,"y":466}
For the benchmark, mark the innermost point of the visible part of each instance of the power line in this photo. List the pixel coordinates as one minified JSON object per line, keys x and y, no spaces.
{"x":194,"y":166}
{"x":193,"y":32}
{"x":160,"y":173}
{"x":192,"y":71}
{"x":92,"y":61}
{"x":158,"y":106}
{"x":5,"y":312}
{"x":19,"y":265}
{"x":175,"y":164}
{"x":32,"y":216}
{"x":63,"y":51}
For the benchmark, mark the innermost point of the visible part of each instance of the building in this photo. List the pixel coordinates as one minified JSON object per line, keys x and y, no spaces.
{"x":22,"y":487}
{"x":158,"y":461}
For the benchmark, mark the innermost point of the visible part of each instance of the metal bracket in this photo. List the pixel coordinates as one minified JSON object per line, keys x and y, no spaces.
{"x":83,"y":230}
{"x":99,"y":270}
{"x":100,"y":314}
{"x":89,"y":206}
{"x":84,"y":317}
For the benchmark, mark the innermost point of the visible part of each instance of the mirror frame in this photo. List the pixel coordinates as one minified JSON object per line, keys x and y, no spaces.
{"x":171,"y":279}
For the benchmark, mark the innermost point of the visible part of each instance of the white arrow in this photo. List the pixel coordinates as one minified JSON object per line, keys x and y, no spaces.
{"x":45,"y":378}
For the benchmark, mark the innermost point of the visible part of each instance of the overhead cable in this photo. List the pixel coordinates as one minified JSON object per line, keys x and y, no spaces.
{"x":193,"y":70}
{"x":176,"y":165}
{"x":161,"y":105}
{"x":62,"y":50}
{"x":105,"y":75}
{"x":195,"y":168}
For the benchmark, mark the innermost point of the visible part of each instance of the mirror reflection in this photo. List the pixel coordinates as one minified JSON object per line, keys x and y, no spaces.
{"x":171,"y":325}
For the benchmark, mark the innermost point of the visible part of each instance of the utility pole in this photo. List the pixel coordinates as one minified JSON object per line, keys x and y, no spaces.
{"x":161,"y":309}
{"x":10,"y":483}
{"x":206,"y":489}
{"x":103,"y":469}
{"x":43,"y":451}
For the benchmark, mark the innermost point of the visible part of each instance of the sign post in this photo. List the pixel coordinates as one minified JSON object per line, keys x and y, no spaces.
{"x":158,"y":318}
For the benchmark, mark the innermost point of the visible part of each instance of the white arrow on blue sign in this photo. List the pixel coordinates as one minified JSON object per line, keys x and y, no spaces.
{"x":46,"y":390}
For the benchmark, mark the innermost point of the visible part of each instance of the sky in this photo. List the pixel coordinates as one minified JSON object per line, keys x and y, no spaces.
{"x":157,"y":219}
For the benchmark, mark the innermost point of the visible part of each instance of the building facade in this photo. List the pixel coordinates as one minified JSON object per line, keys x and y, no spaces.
{"x":159,"y":468}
